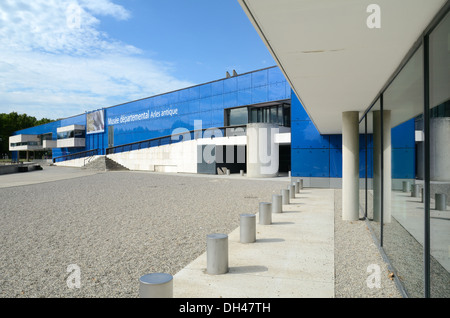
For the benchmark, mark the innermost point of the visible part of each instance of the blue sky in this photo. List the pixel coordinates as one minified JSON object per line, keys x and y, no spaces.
{"x":63,"y":57}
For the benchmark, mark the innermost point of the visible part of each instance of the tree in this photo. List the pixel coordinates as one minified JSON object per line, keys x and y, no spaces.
{"x":9,"y":123}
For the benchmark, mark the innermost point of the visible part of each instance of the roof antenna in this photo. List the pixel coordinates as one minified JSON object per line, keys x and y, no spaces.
{"x":228,"y":75}
{"x":234,"y":73}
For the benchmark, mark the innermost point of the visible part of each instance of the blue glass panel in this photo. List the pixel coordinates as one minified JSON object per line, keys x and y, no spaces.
{"x":289,"y":91}
{"x":217,"y":118}
{"x":204,"y":117}
{"x":277,"y":91}
{"x":183,"y":95}
{"x":275,"y":75}
{"x":259,"y":94}
{"x":217,"y":102}
{"x":172,"y":98}
{"x":205,"y":104}
{"x":230,"y":100}
{"x":183,"y":108}
{"x":336,"y":141}
{"x":194,"y":106}
{"x":310,"y":162}
{"x":244,"y":97}
{"x":244,"y":81}
{"x":362,"y":141}
{"x":403,"y":163}
{"x":230,"y":85}
{"x":336,"y":163}
{"x":259,"y":78}
{"x":217,"y":88}
{"x":297,"y":110}
{"x":403,"y":136}
{"x":362,"y":162}
{"x":305,"y":135}
{"x":194,"y":92}
{"x":158,"y":101}
{"x":205,"y":90}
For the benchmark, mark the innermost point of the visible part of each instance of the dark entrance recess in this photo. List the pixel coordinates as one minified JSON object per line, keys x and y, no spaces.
{"x":232,"y":157}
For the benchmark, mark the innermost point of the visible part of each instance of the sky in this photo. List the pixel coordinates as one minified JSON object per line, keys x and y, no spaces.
{"x":60,"y":58}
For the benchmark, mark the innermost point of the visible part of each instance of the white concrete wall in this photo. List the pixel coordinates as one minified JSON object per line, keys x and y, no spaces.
{"x":78,"y":163}
{"x":179,"y":157}
{"x":71,"y":143}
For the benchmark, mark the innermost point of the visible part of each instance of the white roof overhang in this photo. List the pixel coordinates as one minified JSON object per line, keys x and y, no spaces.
{"x":333,"y":61}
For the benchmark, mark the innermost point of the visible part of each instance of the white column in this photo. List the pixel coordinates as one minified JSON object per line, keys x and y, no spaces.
{"x":350,"y":166}
{"x":387,"y":179}
{"x":262,"y":151}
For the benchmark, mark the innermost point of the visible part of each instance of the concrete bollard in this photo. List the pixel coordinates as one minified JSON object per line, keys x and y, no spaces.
{"x":421,"y":195}
{"x":277,"y":204}
{"x":289,"y":174}
{"x":301,"y":184}
{"x":415,"y":190}
{"x":292,"y":191}
{"x":297,"y":186}
{"x":248,"y":228}
{"x":285,"y":196}
{"x":440,"y":201}
{"x":156,"y":285}
{"x":242,"y":173}
{"x":265,"y":213}
{"x":217,"y":254}
{"x":406,"y":186}
{"x":228,"y":172}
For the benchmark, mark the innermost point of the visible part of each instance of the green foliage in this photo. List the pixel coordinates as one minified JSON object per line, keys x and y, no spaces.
{"x":9,"y":123}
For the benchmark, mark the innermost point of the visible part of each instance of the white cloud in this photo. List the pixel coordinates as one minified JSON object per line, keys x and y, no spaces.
{"x":54,"y":61}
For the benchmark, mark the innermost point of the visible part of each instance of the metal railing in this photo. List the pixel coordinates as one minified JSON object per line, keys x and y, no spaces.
{"x":78,"y":155}
{"x":180,"y":137}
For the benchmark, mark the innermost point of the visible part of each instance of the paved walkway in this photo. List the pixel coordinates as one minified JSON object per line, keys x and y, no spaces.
{"x":49,"y":174}
{"x":292,"y":257}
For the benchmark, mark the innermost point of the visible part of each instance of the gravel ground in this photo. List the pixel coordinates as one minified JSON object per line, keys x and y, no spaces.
{"x":357,"y":260}
{"x":118,"y":226}
{"x":115,"y":227}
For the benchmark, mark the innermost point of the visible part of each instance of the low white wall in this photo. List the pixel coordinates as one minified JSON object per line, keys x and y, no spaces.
{"x":178,"y":157}
{"x":78,"y":163}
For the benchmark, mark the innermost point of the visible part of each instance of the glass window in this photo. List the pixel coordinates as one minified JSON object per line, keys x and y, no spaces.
{"x":237,"y":116}
{"x":439,"y":43}
{"x":403,"y":210}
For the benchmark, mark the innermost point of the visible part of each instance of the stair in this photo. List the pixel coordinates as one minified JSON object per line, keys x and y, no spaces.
{"x":103,"y":163}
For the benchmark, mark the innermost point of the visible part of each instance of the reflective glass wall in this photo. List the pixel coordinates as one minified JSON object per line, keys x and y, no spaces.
{"x":439,"y":57}
{"x":407,"y":201}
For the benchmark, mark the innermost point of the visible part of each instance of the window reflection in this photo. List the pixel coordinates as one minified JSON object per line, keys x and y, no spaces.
{"x":277,"y":114}
{"x":439,"y":159}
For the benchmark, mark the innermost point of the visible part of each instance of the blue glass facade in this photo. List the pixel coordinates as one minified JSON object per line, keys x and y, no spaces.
{"x":316,"y":155}
{"x":312,"y":154}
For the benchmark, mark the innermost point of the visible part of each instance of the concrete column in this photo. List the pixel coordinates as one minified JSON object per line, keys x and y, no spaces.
{"x":248,"y":228}
{"x":387,"y":184}
{"x":350,"y":166}
{"x":156,"y":285}
{"x":285,"y":196}
{"x":262,"y":151}
{"x":217,"y":254}
{"x":265,"y":213}
{"x":406,"y":186}
{"x":440,"y":149}
{"x":415,"y":190}
{"x":277,"y":204}
{"x":440,"y":200}
{"x":292,"y":191}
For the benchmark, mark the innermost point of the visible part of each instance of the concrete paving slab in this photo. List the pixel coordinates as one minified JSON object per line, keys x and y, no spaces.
{"x":292,"y":258}
{"x":48,"y":174}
